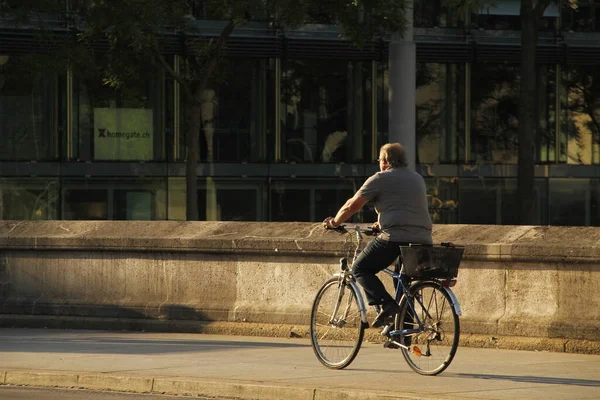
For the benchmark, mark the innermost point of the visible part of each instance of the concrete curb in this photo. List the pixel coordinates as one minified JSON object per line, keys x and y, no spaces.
{"x":52,"y":379}
{"x":218,"y":389}
{"x":117,"y":383}
{"x":192,"y":387}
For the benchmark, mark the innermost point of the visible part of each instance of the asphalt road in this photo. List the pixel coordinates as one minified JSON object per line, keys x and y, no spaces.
{"x":267,"y":368}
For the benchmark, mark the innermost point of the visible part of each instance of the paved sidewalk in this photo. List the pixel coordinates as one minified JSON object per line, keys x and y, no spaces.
{"x":269,"y":368}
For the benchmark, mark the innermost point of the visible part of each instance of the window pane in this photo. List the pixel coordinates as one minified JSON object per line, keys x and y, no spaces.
{"x":82,"y":204}
{"x":326,"y":111}
{"x":478,"y":201}
{"x":237,"y":113}
{"x":310,"y":201}
{"x":329,"y":200}
{"x":172,"y":123}
{"x":494,"y":106}
{"x":28,"y":199}
{"x":546,"y":100}
{"x":176,"y":199}
{"x":569,"y":202}
{"x":28,"y":112}
{"x":220,"y":200}
{"x":494,"y":201}
{"x":223,"y":200}
{"x":583,"y":85}
{"x":442,"y":194}
{"x":290,"y":203}
{"x":119,"y":124}
{"x":121,"y":199}
{"x":133,"y":204}
{"x":440,"y":112}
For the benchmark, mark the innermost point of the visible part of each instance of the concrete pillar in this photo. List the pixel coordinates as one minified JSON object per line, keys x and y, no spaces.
{"x":402,"y":89}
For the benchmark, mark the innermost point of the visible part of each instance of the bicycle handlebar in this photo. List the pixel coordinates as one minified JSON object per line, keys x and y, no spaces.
{"x":369,"y":231}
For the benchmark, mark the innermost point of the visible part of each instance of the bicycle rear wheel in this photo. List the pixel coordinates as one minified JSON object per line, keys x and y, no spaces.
{"x":431,"y":350}
{"x":336,"y":328}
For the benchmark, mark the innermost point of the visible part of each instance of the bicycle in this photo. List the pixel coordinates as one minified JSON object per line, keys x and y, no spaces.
{"x":427,"y":328}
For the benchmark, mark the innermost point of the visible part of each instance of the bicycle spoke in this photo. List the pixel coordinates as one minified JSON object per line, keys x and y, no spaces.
{"x":324,"y":335}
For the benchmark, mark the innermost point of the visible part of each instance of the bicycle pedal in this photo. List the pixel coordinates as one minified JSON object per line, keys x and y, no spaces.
{"x":390,"y":345}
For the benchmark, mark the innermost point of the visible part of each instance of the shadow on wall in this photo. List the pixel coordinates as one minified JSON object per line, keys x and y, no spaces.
{"x":157,"y":312}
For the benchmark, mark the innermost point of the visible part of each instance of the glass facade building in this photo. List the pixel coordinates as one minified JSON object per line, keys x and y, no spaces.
{"x":294,"y":126}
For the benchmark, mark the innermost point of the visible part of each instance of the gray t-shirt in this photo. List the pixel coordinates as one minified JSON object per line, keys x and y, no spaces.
{"x":400,"y":199}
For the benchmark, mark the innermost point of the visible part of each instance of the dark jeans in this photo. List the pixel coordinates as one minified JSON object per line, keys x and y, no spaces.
{"x":377,"y":255}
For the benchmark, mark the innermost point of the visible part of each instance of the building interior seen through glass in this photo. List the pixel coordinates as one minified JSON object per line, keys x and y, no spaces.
{"x":327,"y":111}
{"x":120,"y":199}
{"x":237,"y":114}
{"x":291,"y":139}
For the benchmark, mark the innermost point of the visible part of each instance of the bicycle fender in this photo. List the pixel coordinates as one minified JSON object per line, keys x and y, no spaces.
{"x":455,"y":303}
{"x":361,"y":302}
{"x":359,"y":298}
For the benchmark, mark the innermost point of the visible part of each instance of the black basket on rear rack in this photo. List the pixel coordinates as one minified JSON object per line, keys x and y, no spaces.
{"x":426,"y":262}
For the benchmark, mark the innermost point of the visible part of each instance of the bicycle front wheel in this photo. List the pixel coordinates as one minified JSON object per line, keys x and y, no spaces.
{"x":432,"y":349}
{"x":336,"y":328}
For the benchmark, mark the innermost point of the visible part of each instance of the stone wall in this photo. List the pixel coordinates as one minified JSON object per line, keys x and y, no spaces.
{"x":533,"y":283}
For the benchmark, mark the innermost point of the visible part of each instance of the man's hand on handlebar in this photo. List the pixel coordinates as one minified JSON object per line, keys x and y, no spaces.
{"x":328,"y":223}
{"x":373,"y":230}
{"x":376,"y":228}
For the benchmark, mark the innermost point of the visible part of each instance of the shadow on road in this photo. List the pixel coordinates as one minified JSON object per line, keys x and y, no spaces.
{"x":532,"y":379}
{"x":130,"y":346}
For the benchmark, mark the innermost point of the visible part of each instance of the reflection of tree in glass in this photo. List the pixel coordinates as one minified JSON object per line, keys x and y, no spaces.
{"x":546,"y":133}
{"x":583,"y":85}
{"x":26,"y":113}
{"x":495,"y":99}
{"x":440,"y":108}
{"x":23,"y":203}
{"x":429,"y":112}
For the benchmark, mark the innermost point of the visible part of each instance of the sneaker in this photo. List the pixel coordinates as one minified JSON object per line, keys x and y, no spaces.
{"x":389,"y":310}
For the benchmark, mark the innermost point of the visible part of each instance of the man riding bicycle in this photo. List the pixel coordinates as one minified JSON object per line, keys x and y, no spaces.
{"x":400,"y":200}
